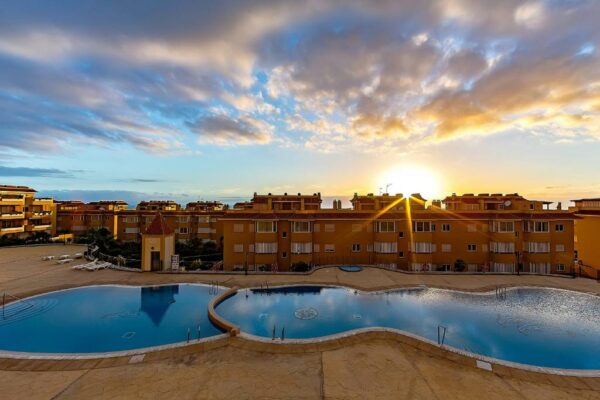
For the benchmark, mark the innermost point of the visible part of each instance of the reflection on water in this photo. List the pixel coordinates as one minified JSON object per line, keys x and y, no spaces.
{"x":545,"y":327}
{"x":156,"y":300}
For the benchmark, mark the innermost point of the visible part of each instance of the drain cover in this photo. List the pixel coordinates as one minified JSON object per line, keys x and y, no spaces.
{"x":306,"y":313}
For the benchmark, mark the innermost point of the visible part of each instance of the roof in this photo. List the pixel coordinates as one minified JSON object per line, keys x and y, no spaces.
{"x":158,"y":226}
{"x":11,"y":188}
{"x":590,"y":199}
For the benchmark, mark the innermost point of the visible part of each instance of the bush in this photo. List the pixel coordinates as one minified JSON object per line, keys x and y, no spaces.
{"x":460,"y":265}
{"x":300,"y":266}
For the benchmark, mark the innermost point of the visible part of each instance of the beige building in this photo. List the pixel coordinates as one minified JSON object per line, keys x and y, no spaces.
{"x":22,"y":214}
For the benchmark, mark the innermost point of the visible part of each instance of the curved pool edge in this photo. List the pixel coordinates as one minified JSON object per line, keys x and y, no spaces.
{"x":15,"y":355}
{"x":216,"y":319}
{"x":22,"y":355}
{"x":422,"y":343}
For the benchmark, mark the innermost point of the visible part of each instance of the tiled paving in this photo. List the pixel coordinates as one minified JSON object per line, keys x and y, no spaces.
{"x":373,"y":366}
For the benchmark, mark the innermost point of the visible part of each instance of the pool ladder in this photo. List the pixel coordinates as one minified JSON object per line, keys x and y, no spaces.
{"x":441,"y":331}
{"x":282,"y":337}
{"x":500,"y":293}
{"x":214,"y":288}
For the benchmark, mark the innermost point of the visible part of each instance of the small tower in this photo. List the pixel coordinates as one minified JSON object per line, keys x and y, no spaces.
{"x":158,"y":245}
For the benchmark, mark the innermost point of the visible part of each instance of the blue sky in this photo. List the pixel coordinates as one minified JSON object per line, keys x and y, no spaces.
{"x":192,"y":99}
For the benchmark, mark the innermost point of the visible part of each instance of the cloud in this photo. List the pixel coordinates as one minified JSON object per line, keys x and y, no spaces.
{"x":33,"y":172}
{"x":221,"y":129}
{"x":327,"y":75}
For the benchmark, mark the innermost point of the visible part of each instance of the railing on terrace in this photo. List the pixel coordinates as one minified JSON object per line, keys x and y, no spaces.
{"x":12,"y":215}
{"x":13,"y":229}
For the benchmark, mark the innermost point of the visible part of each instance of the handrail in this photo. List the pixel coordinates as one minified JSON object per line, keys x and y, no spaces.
{"x":442,"y":337}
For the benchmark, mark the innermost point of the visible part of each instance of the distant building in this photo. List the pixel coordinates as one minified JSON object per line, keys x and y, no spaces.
{"x":22,"y":214}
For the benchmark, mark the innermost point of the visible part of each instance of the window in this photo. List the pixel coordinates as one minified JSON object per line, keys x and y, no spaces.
{"x":538,"y":247}
{"x":265,"y":248}
{"x":531,"y":206}
{"x":356,"y":248}
{"x":302,"y":248}
{"x":131,"y":220}
{"x":238,"y":228}
{"x":204,"y":219}
{"x":284,"y":234}
{"x":503,"y":267}
{"x":182,"y":230}
{"x":184,"y":219}
{"x":238,"y":248}
{"x":329,"y":248}
{"x":560,"y":267}
{"x":536,"y":226}
{"x":301,"y":226}
{"x":357,"y":227}
{"x":503,"y":226}
{"x":385,"y":226}
{"x":471,"y":248}
{"x":316,"y":248}
{"x":400,"y":234}
{"x":559,"y":228}
{"x":445,"y":227}
{"x":132,"y":230}
{"x":283,"y":254}
{"x":401,"y":254}
{"x":386,"y":247}
{"x":560,"y":248}
{"x":446,"y":248}
{"x":471,"y":228}
{"x":266,"y":226}
{"x":421,"y":226}
{"x":329,"y":228}
{"x":317,"y":227}
{"x":422,"y":247}
{"x":502,"y":247}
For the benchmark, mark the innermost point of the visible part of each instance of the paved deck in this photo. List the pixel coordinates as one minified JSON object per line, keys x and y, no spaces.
{"x":376,"y":368}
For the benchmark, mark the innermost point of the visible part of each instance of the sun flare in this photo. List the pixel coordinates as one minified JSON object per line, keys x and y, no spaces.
{"x":409,"y":179}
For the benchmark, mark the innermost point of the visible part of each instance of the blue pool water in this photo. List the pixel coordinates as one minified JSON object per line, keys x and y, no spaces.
{"x":351,"y":268}
{"x":536,"y":326}
{"x":106,"y":318}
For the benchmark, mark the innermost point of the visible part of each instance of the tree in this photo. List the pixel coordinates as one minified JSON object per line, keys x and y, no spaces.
{"x":460,"y":265}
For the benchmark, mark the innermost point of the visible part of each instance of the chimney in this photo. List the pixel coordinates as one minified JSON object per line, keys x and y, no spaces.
{"x":559,"y":206}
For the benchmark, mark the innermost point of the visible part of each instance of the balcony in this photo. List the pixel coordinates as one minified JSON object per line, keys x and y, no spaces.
{"x":40,"y":214}
{"x":43,"y":200}
{"x":18,"y":201}
{"x":16,"y":215}
{"x":41,"y":227}
{"x":13,"y":229}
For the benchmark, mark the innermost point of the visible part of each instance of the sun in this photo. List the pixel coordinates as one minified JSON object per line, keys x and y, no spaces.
{"x":409,"y":179}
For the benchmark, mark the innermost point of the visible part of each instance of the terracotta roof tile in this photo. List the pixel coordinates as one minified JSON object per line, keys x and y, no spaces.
{"x":158,"y":226}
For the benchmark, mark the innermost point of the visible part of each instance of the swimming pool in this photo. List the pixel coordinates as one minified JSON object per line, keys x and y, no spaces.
{"x":107,"y":318}
{"x":536,"y":326}
{"x":351,"y":268}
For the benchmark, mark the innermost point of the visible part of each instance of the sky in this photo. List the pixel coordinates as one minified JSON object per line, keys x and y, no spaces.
{"x":217,"y":100}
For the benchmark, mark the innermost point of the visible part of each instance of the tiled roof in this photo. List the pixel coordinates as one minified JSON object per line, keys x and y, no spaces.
{"x":158,"y":226}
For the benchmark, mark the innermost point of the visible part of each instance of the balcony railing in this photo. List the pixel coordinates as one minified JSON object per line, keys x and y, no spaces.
{"x":12,"y":215}
{"x":41,"y":227}
{"x":12,"y":200}
{"x":41,"y":214}
{"x":13,"y":229}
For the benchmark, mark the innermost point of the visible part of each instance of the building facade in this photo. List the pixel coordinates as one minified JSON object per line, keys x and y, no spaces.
{"x":483,"y":233}
{"x":587,"y":233}
{"x":22,"y":214}
{"x":198,"y":220}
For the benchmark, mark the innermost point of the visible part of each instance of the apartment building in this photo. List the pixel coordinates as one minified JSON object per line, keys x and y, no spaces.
{"x":198,"y":220}
{"x":487,"y":233}
{"x":22,"y":214}
{"x":587,"y":232}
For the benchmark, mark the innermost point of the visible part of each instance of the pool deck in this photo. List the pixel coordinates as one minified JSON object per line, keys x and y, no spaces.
{"x":377,"y":366}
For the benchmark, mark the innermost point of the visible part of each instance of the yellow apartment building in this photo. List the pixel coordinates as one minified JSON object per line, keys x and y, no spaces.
{"x":199,"y":220}
{"x":479,"y":233}
{"x":22,"y":214}
{"x":587,"y":232}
